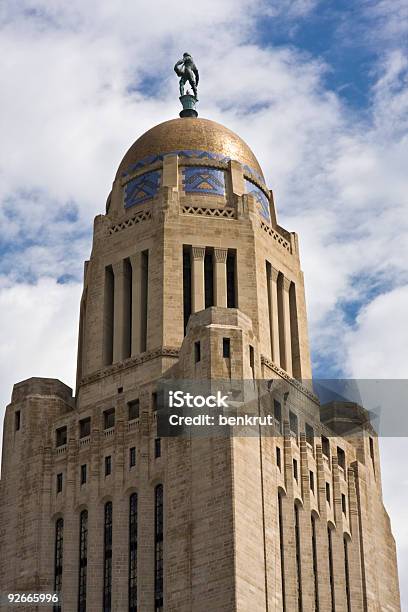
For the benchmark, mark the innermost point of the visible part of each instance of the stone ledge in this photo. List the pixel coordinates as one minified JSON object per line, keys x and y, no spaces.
{"x":295,"y":383}
{"x":164,"y":351}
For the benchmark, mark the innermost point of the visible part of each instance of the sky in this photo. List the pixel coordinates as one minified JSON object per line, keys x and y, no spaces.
{"x":319,"y":90}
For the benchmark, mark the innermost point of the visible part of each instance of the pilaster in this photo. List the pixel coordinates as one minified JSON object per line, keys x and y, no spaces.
{"x":198,"y":297}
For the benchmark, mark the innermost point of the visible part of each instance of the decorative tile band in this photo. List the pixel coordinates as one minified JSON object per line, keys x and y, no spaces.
{"x":141,"y":188}
{"x":210,"y":181}
{"x":189,"y":154}
{"x":262,"y":200}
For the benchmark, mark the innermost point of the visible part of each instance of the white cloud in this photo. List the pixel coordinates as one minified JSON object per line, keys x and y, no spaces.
{"x":39,"y":333}
{"x":377,"y":347}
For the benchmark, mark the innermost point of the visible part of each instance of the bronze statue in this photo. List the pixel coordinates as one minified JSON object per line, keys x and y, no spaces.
{"x":187,"y":71}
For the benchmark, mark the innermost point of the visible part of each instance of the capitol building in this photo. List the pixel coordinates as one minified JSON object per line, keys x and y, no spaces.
{"x":191,"y":277}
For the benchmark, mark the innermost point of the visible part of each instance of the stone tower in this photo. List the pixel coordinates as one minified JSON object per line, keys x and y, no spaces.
{"x":191,"y":277}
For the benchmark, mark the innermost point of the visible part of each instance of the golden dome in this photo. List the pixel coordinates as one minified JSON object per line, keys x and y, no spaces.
{"x":190,"y":133}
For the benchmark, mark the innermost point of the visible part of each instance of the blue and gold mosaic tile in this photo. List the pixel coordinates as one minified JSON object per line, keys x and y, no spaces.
{"x":204,"y":180}
{"x":262,"y":200}
{"x":141,"y":188}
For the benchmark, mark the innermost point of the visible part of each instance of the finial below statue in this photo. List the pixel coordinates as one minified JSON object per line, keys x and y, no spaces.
{"x":187,"y":71}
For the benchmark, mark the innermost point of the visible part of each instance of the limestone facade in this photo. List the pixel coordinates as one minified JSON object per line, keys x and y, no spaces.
{"x":189,"y":255}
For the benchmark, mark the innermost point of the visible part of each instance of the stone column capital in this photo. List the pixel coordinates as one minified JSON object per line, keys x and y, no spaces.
{"x":220,"y":255}
{"x":198,"y":252}
{"x":135,"y":259}
{"x":119,"y":268}
{"x":286,"y":283}
{"x":274,"y":274}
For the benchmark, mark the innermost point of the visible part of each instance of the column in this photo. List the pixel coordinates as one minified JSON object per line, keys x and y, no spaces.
{"x":121,"y":318}
{"x":198,"y":298}
{"x":273,"y":313}
{"x":287,"y":343}
{"x":220,"y":260}
{"x":137,"y":303}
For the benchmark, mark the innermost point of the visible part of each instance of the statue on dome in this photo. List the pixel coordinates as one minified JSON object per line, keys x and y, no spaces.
{"x":187,"y":71}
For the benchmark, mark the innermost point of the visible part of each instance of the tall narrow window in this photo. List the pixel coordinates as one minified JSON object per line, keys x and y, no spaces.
{"x":293,"y":423}
{"x":83,"y":474}
{"x":298,"y":558}
{"x":83,"y":560}
{"x":309,"y":435}
{"x":312,"y":481}
{"x":58,"y":556}
{"x":186,"y":285}
{"x":252,"y":360}
{"x":281,"y":320}
{"x":158,"y":552}
{"x":315,"y":574}
{"x":341,"y":458}
{"x":109,"y":418}
{"x":270,"y":303}
{"x":226,"y":348}
{"x":132,"y":456}
{"x":282,"y":550}
{"x":59,"y":482}
{"x":133,"y":410}
{"x":294,"y":333}
{"x":278,"y":457}
{"x":108,"y":465}
{"x":108,"y":317}
{"x":231,"y":280}
{"x":61,"y":436}
{"x":85,"y":427}
{"x":295,"y":470}
{"x":372,"y":454}
{"x":144,"y":300}
{"x":277,"y":411}
{"x":326,"y":447}
{"x":17,"y":420}
{"x":209,"y":278}
{"x":107,"y":559}
{"x":347,"y":573}
{"x":133,"y":553}
{"x":197,"y":352}
{"x":127,"y":309}
{"x":330,"y":550}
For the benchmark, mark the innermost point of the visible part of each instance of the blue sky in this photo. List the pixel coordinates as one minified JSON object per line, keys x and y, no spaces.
{"x":319,"y":91}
